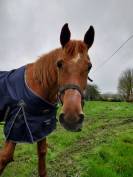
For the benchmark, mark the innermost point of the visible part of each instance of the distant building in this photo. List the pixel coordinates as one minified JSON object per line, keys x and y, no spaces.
{"x":111,"y":97}
{"x":131,"y":98}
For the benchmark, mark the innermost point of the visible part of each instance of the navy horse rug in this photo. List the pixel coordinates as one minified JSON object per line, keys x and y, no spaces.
{"x":28,"y":117}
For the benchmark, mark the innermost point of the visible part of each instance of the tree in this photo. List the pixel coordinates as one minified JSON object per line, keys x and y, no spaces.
{"x":125,"y":84}
{"x":92,"y":92}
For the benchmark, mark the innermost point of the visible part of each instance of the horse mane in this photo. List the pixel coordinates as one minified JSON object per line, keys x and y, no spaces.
{"x":44,"y":68}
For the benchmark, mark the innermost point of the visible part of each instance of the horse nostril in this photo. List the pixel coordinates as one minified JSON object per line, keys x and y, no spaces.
{"x":61,"y":118}
{"x":81,"y":118}
{"x":62,"y":115}
{"x":79,"y":130}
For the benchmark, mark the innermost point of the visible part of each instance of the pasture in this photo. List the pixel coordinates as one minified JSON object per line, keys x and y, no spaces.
{"x":104,"y":148}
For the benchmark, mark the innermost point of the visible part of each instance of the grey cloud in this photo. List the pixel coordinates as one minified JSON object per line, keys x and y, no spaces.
{"x":30,"y":28}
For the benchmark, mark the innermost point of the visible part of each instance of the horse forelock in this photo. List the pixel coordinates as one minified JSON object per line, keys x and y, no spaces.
{"x":73,"y":48}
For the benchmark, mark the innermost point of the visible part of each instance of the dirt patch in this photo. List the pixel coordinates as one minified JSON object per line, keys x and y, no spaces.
{"x":64,"y":164}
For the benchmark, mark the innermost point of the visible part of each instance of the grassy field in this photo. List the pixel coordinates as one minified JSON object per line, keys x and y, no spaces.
{"x":104,"y":148}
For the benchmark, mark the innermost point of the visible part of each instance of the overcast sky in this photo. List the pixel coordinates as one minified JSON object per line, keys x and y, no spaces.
{"x":29,"y":28}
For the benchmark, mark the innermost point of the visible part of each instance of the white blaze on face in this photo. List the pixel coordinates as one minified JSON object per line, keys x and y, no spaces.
{"x":76,"y":59}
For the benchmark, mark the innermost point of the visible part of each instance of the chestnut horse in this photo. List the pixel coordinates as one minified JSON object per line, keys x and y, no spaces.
{"x":61,"y":74}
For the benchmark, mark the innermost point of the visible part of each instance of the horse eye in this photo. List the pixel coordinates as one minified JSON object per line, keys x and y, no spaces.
{"x":89,"y":66}
{"x":59,"y":63}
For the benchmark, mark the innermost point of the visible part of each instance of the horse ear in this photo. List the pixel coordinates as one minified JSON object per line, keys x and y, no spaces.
{"x":89,"y":37}
{"x":65,"y":35}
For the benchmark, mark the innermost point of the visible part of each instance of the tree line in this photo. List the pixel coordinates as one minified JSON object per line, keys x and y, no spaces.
{"x":124,"y":89}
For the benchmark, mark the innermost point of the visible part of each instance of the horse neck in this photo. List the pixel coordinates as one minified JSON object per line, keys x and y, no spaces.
{"x":45,"y":74}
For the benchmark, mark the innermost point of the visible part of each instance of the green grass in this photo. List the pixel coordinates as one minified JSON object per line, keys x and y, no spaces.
{"x":109,"y":110}
{"x":104,"y":148}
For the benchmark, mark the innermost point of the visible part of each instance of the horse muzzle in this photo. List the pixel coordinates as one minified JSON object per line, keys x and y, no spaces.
{"x":68,"y":124}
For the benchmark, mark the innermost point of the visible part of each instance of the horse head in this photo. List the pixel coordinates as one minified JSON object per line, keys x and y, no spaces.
{"x":73,"y":68}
